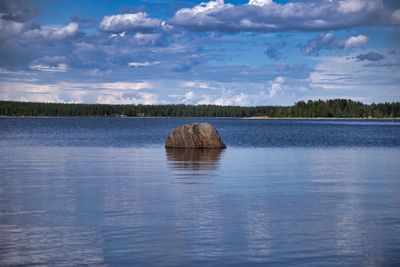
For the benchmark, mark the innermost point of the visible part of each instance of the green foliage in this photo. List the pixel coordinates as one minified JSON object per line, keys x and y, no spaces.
{"x":336,"y":108}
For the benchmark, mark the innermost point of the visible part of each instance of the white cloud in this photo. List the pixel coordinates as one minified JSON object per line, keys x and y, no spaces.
{"x":241,"y":99}
{"x":9,"y":28}
{"x":344,"y":75}
{"x":276,"y":86}
{"x":353,"y":6}
{"x":189,"y":96}
{"x":140,"y":98}
{"x":65,"y":86}
{"x":356,"y":41}
{"x":44,"y":98}
{"x":135,"y":22}
{"x":265,"y":15}
{"x":326,"y":41}
{"x":111,"y":92}
{"x":206,"y":7}
{"x":143,"y":64}
{"x":66,"y":31}
{"x":145,"y":38}
{"x":62,"y":67}
{"x":202,"y":85}
{"x":396,"y":17}
{"x":122,"y":34}
{"x":224,"y":98}
{"x":147,"y":98}
{"x":260,"y":2}
{"x":27,"y":87}
{"x":53,"y":33}
{"x":201,"y":15}
{"x":339,"y":77}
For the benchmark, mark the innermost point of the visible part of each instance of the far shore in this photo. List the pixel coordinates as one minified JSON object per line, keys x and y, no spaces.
{"x":317,"y":118}
{"x":239,"y":118}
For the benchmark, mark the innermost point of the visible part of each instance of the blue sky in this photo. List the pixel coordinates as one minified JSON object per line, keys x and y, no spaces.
{"x":257,"y":52}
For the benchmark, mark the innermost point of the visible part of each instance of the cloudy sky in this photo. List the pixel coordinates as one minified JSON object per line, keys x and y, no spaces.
{"x":233,"y":52}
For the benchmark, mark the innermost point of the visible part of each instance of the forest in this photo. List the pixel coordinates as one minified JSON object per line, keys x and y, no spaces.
{"x":335,"y":108}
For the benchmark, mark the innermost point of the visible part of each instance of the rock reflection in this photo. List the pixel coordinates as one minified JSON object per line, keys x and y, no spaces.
{"x":193,"y":159}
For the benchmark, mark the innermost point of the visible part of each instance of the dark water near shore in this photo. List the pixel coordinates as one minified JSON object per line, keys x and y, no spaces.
{"x":95,"y":191}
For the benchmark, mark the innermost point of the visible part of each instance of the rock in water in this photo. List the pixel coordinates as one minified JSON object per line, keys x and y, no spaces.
{"x":196,"y":135}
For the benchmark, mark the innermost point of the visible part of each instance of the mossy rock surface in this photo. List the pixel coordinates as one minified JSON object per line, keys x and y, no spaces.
{"x":195,"y":135}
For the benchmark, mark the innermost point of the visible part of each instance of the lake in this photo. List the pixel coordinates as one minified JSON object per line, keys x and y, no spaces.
{"x":105,"y":192}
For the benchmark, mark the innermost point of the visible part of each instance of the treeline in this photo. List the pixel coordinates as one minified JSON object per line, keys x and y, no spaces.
{"x":336,"y":108}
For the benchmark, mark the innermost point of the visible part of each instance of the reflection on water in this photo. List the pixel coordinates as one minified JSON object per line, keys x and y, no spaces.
{"x":194,"y":159}
{"x":100,"y":206}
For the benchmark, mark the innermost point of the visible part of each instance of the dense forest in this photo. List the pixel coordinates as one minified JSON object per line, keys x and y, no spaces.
{"x":336,"y":108}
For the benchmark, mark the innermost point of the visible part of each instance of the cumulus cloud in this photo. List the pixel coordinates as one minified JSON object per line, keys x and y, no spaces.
{"x":29,"y":92}
{"x":396,"y":17}
{"x":143,"y":64}
{"x":260,"y":2}
{"x":276,"y":86}
{"x":62,"y":67}
{"x":226,"y":98}
{"x":205,"y":8}
{"x":128,"y":98}
{"x":189,"y":96}
{"x":356,"y":41}
{"x":201,"y":17}
{"x":327,"y":41}
{"x":10,"y":28}
{"x":131,"y":22}
{"x":265,"y":15}
{"x":102,"y":92}
{"x":241,"y":99}
{"x":371,"y":56}
{"x":16,"y":22}
{"x":233,"y":94}
{"x":231,"y":98}
{"x":53,"y":33}
{"x":43,"y":98}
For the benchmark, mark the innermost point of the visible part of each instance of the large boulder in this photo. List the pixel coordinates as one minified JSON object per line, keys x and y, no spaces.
{"x":195,"y":135}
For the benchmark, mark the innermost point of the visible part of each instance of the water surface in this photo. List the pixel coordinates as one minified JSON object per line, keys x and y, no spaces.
{"x":94,"y":191}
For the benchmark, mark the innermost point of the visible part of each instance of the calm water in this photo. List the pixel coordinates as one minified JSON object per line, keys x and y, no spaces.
{"x":93,"y":191}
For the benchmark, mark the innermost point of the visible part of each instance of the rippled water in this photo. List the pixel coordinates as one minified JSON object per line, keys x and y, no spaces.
{"x":80,"y":191}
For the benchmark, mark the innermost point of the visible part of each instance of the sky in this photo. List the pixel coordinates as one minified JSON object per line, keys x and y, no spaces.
{"x":237,"y":52}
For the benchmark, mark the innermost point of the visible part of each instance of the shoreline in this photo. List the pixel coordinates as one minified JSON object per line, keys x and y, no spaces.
{"x":317,"y":118}
{"x":238,"y":118}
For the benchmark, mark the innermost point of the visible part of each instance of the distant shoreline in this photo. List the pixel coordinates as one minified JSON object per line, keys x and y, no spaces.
{"x":318,"y":118}
{"x":238,"y":118}
{"x":319,"y":109}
